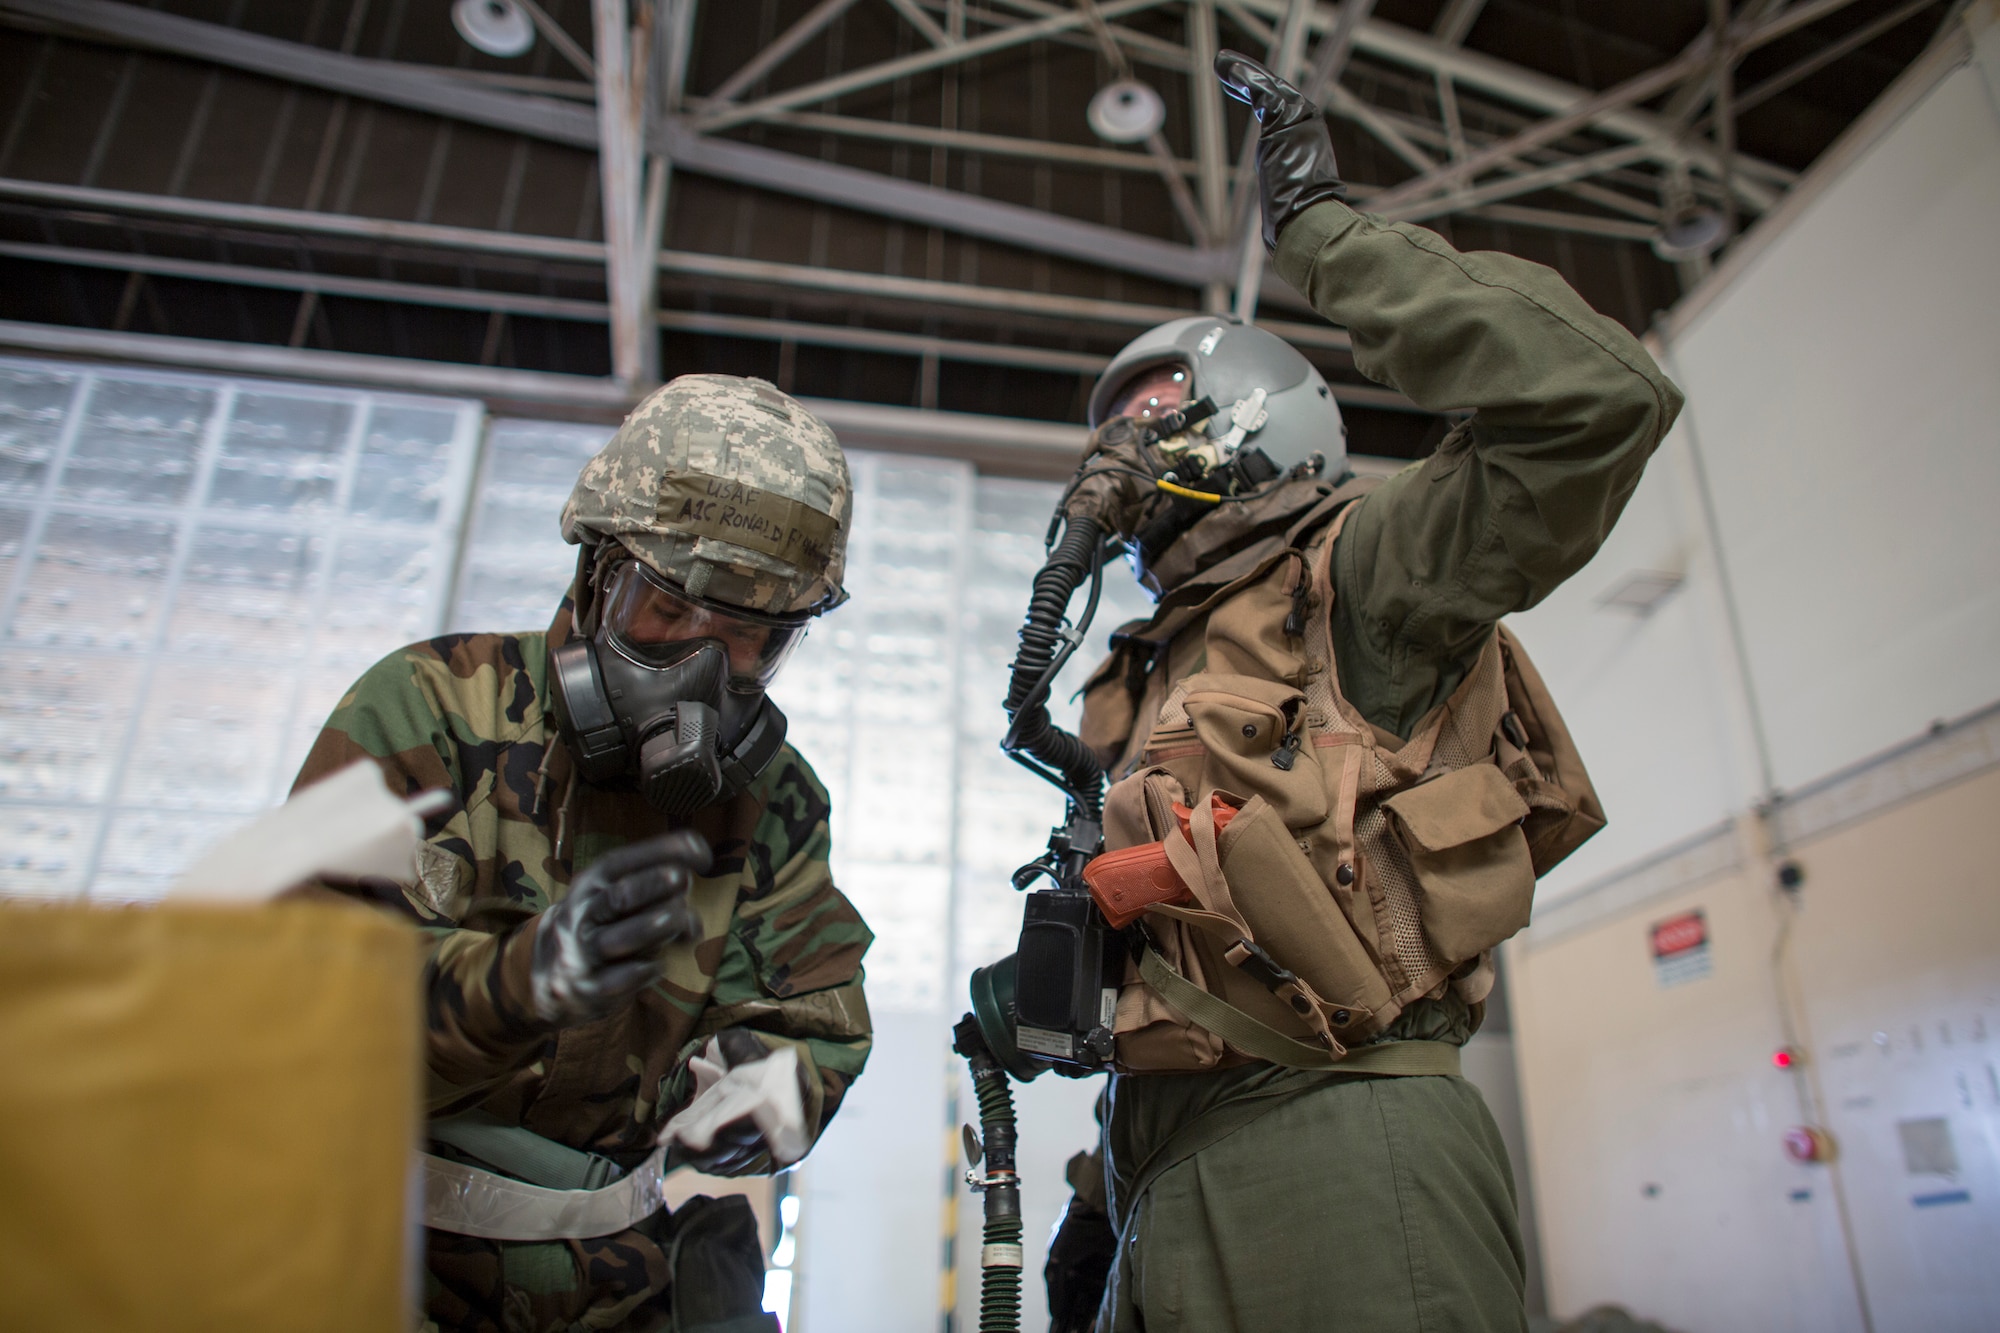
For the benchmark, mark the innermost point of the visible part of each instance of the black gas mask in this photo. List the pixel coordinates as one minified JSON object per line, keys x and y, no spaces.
{"x":668,"y":694}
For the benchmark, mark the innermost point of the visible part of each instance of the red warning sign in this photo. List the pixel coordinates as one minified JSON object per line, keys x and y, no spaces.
{"x":1678,"y":934}
{"x":1680,"y":948}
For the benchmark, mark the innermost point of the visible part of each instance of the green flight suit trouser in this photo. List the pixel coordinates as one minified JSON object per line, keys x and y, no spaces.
{"x":1283,"y":1200}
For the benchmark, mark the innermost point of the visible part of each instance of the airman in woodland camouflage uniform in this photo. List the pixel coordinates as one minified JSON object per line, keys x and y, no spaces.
{"x":718,"y":496}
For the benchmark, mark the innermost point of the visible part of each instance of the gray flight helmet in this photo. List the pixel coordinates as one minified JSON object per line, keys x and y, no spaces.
{"x":1226,"y":360}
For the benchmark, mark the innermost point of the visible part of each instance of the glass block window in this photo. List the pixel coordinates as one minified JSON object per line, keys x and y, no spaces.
{"x":191,"y":571}
{"x":872,"y":697}
{"x":517,"y":566}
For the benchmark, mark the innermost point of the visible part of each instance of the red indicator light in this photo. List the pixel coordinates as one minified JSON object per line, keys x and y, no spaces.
{"x":1783,"y":1058}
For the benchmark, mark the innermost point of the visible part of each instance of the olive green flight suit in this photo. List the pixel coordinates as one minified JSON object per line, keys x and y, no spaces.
{"x":1267,"y":1199}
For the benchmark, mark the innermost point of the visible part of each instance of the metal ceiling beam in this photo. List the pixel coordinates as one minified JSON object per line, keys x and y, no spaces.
{"x":932,"y":295}
{"x":1346,"y":105}
{"x":302,"y":363}
{"x":964,"y":296}
{"x":1507,"y":187}
{"x":871,"y":76}
{"x":461,"y":298}
{"x":1697,"y":59}
{"x":1449,"y":176}
{"x":1689,"y":97}
{"x":1439,"y":136}
{"x":107,"y":203}
{"x":673,"y":50}
{"x":921,"y":21}
{"x":958,"y":349}
{"x":597,"y":312}
{"x":409,"y":86}
{"x":1210,"y":152}
{"x":747,"y":164}
{"x":791,"y":39}
{"x":771,"y":330}
{"x":516,"y":83}
{"x":884,"y":340}
{"x":558,"y":37}
{"x":1330,"y":60}
{"x":1139,"y":45}
{"x":635,"y":356}
{"x":1539,"y":92}
{"x":1764,"y":90}
{"x":1259,"y":31}
{"x":103,"y":205}
{"x":932,"y":206}
{"x":1547,"y":219}
{"x":327,"y":284}
{"x":1456,"y":21}
{"x":972,"y":141}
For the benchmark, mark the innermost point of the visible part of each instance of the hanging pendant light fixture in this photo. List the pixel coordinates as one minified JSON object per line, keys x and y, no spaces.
{"x":1126,"y":111}
{"x":497,"y":27}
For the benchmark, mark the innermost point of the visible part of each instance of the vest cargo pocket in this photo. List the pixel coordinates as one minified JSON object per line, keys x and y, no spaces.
{"x":1462,"y":833}
{"x":1295,"y":917}
{"x":1140,"y":808}
{"x":1256,"y":738}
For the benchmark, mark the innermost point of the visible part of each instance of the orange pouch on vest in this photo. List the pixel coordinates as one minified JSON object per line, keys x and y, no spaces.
{"x":1126,"y":882}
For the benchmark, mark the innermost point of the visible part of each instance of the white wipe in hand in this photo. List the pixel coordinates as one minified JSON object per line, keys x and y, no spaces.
{"x":766,"y":1091}
{"x":347,"y":824}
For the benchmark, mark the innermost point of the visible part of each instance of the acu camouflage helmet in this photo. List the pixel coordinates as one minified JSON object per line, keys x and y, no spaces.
{"x":728,"y":488}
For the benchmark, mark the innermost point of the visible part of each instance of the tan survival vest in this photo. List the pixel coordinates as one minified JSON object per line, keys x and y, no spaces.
{"x":1359,"y":872}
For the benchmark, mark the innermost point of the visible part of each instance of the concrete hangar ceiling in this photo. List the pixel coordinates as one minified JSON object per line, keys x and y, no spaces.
{"x":897,"y":208}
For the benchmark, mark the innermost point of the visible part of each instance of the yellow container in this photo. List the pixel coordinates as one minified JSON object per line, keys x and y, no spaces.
{"x":207,"y":1118}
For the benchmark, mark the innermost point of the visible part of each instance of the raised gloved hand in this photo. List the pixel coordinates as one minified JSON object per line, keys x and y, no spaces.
{"x":1295,"y":164}
{"x":750,"y":1101}
{"x":600,"y":946}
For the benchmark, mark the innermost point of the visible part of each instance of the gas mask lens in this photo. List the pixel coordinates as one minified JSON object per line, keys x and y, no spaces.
{"x":655,"y":623}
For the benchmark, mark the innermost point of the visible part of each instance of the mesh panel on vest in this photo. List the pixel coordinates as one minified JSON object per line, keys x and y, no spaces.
{"x":1319,"y":701}
{"x":1390,"y":865}
{"x":1478,"y":702}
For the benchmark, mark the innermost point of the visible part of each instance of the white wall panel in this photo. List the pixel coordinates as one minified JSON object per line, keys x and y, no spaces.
{"x":1844,"y":390}
{"x":1845,"y":396}
{"x":1652,"y":698}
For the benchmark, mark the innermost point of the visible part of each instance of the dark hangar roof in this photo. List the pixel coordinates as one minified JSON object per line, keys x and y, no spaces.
{"x":886,"y":201}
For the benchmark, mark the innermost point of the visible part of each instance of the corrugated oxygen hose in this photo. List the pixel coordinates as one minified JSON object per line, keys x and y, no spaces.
{"x":1000,"y":1255}
{"x":1032,"y":733}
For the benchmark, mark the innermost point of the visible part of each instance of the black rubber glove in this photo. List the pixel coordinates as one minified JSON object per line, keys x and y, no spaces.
{"x":600,"y":946}
{"x":1295,"y":165}
{"x":1080,"y":1258}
